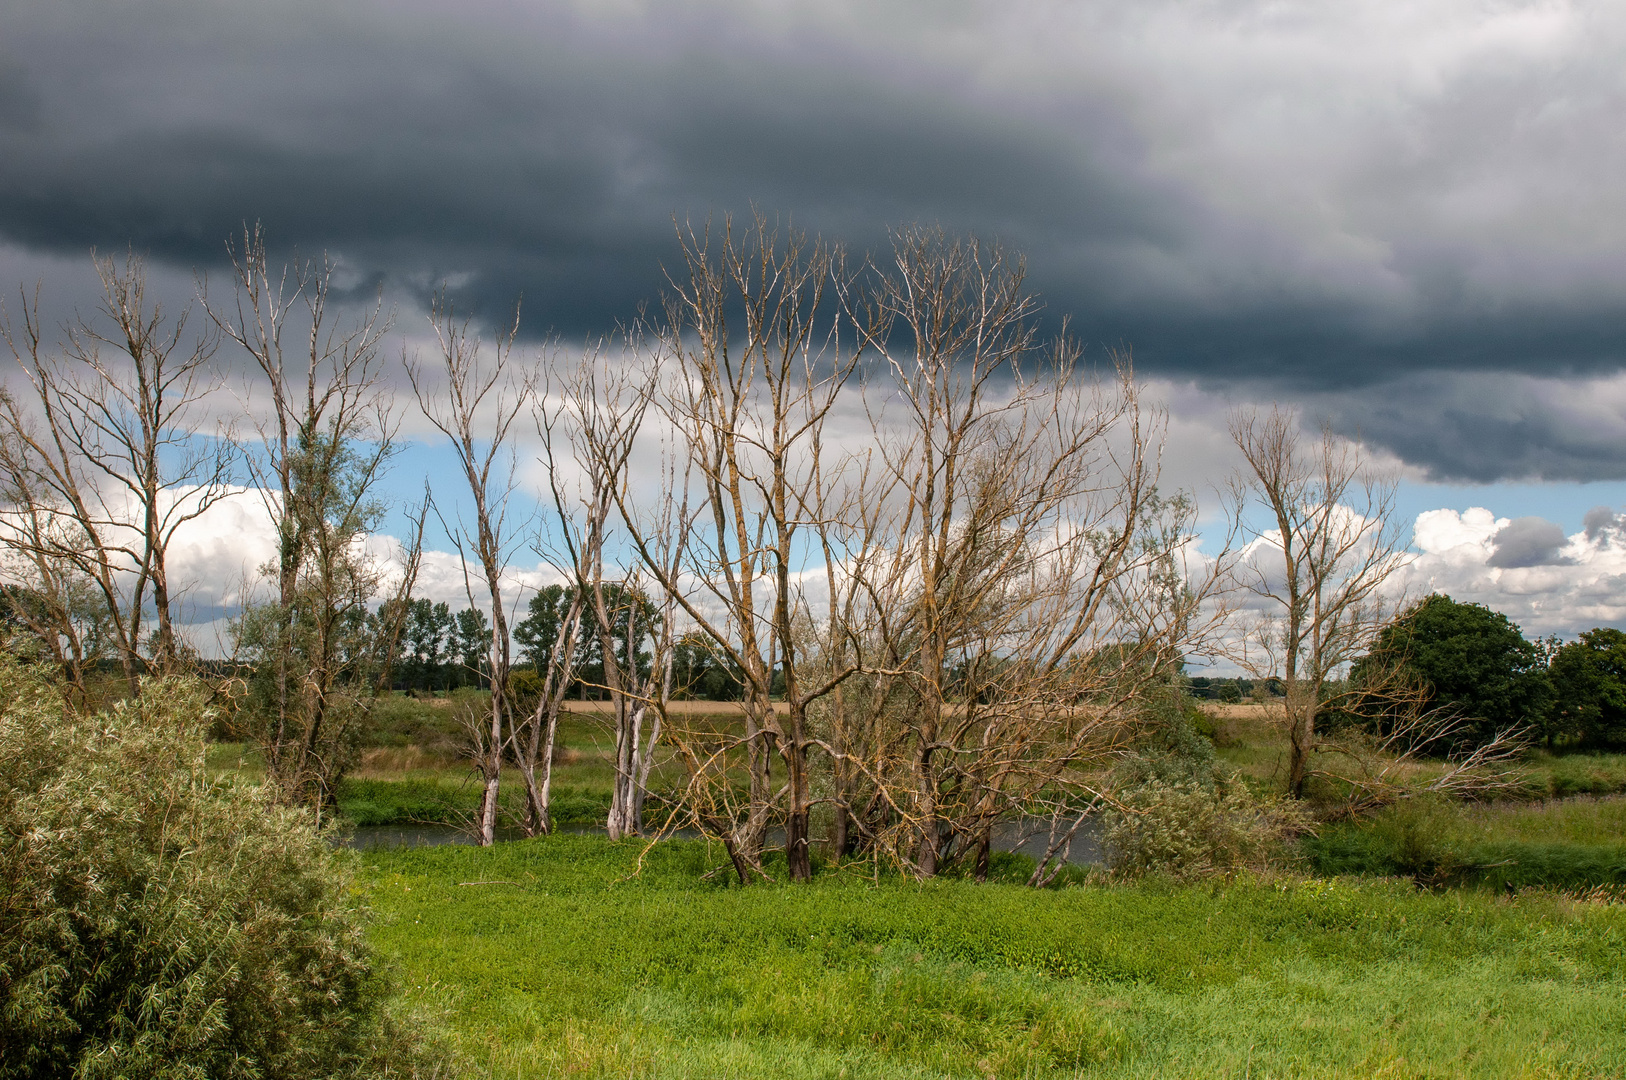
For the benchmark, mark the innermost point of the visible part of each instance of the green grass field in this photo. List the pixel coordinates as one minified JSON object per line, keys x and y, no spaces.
{"x":558,"y":957}
{"x":1572,"y":843}
{"x":570,"y":956}
{"x":412,"y":771}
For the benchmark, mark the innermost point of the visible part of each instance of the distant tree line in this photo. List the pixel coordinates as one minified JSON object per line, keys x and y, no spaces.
{"x":1231,"y":691}
{"x":442,"y":651}
{"x":1474,"y":663}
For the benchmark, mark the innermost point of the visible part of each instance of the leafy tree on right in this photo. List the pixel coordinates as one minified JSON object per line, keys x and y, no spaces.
{"x":1471,"y":660}
{"x":1589,"y":690}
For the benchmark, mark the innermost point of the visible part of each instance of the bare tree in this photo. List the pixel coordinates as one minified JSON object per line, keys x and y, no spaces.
{"x":474,"y":404}
{"x":106,"y":462}
{"x":589,"y":423}
{"x":1371,"y":770}
{"x":581,"y":488}
{"x":60,"y":611}
{"x":1024,"y":585}
{"x":640,"y":691}
{"x":1389,"y":726}
{"x":1321,"y":553}
{"x":607,"y":402}
{"x":320,"y":653}
{"x":757,"y":363}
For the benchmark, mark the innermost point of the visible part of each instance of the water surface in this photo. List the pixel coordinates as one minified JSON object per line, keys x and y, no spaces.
{"x":1030,"y":837}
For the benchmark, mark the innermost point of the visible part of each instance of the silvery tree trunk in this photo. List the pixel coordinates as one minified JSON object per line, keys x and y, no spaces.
{"x":639,"y":704}
{"x":474,"y":399}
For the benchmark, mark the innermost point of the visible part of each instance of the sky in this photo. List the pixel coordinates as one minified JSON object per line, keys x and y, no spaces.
{"x":1403,"y":220}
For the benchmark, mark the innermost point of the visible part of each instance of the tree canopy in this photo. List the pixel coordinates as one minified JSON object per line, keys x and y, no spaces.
{"x":1589,"y":689}
{"x":1473,"y":660}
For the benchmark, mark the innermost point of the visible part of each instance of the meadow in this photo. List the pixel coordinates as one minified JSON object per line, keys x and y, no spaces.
{"x":1431,"y":940}
{"x":412,"y":771}
{"x":1247,"y":739}
{"x":1571,"y":843}
{"x":572,"y":956}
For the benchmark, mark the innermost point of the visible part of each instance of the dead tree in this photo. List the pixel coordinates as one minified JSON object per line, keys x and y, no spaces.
{"x":474,"y":402}
{"x":571,"y":543}
{"x":595,"y":412}
{"x":1317,"y":563}
{"x":641,"y":708}
{"x":321,"y":651}
{"x":1025,"y":585}
{"x":1376,"y":756}
{"x":61,"y":612}
{"x":105,"y":461}
{"x":756,"y":363}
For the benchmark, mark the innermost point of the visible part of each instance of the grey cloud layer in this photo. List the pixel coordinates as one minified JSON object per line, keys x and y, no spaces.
{"x":1313,"y":199}
{"x":1487,"y":426}
{"x":1527,"y":541}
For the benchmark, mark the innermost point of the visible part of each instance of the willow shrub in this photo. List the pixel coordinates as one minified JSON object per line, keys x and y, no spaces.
{"x":1186,"y":829}
{"x":156,"y":922}
{"x":1181,"y":813}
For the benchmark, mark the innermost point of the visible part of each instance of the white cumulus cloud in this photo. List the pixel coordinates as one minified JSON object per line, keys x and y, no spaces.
{"x":1579,"y":583}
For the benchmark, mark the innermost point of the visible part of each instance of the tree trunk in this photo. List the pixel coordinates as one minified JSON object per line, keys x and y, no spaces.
{"x":492,"y":772}
{"x":1301,"y":731}
{"x":798,"y":854}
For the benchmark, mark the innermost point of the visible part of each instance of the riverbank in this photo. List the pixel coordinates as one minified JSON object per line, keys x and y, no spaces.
{"x":412,"y":771}
{"x":573,"y":956}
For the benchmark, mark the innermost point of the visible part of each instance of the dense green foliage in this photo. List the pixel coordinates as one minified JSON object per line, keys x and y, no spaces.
{"x":575,"y":956}
{"x":443,"y":651}
{"x":697,"y":673}
{"x":156,"y":922}
{"x":537,"y":634}
{"x":1473,"y":661}
{"x":1589,"y":689}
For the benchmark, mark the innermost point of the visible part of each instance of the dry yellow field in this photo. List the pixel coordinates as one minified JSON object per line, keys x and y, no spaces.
{"x":675,"y":708}
{"x":1249,"y":711}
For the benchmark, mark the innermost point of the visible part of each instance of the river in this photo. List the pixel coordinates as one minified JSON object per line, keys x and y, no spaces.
{"x":1029,"y":837}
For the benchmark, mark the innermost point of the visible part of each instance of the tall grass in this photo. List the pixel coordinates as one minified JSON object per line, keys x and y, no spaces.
{"x":561,"y":957}
{"x":452,"y":799}
{"x":1560,"y":776}
{"x":1574,"y":843}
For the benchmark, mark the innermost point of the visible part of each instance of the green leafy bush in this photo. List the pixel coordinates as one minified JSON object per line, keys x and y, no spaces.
{"x":1181,"y":813}
{"x":1474,"y":662}
{"x":1589,"y":684}
{"x":1186,"y":829}
{"x":156,"y":922}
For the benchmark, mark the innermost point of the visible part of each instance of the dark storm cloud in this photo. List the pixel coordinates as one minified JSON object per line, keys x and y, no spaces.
{"x":1527,"y":541}
{"x":555,"y":174}
{"x":1482,"y":427}
{"x":1313,"y":205}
